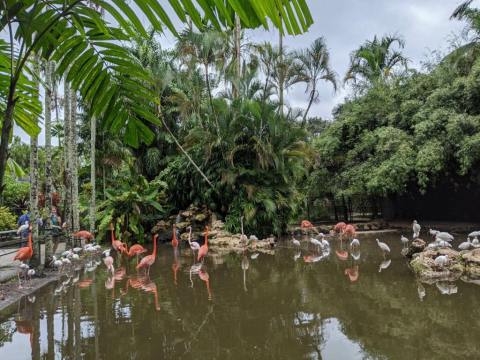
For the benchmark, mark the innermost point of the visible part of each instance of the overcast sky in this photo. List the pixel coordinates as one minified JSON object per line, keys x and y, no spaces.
{"x":345,"y":24}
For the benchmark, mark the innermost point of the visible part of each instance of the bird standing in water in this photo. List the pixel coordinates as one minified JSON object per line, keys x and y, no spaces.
{"x":195,"y":246}
{"x":149,"y":260}
{"x":416,"y":229}
{"x":117,"y":245}
{"x":384,"y":247}
{"x":204,"y":248}
{"x":135,"y":250}
{"x":174,"y":237}
{"x":404,"y":240}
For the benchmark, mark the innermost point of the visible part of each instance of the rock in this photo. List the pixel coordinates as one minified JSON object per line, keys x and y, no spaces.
{"x":200,"y":217}
{"x":423,"y":265}
{"x":416,"y":246}
{"x":182,"y":225}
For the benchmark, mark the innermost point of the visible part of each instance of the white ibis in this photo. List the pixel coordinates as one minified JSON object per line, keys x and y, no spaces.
{"x":404,"y":240}
{"x":355,"y":243}
{"x":475,"y":242}
{"x":445,"y":236}
{"x":416,"y":229}
{"x":474,"y":234}
{"x":30,"y":273}
{"x":465,"y":245}
{"x":433,"y":232}
{"x":195,"y":246}
{"x":441,"y":261}
{"x":384,"y":247}
{"x":442,"y":243}
{"x":243,"y":237}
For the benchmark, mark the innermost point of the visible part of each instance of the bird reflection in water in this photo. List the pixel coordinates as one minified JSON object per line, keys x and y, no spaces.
{"x":353,"y":273}
{"x":24,"y":320}
{"x":203,"y":275}
{"x":142,"y":282}
{"x":384,"y":265}
{"x":421,"y":290}
{"x":194,"y":269}
{"x":245,"y":266}
{"x":150,"y":287}
{"x":341,"y":253}
{"x":175,"y":265}
{"x":297,"y":255}
{"x":446,"y":288}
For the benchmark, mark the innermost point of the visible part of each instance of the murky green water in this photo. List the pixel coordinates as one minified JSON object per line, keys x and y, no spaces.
{"x":285,"y":309}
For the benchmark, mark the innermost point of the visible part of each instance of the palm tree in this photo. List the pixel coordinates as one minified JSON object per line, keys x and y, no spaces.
{"x":93,"y":173}
{"x":375,"y":60}
{"x":88,"y":54}
{"x":315,"y":65}
{"x":34,"y":214}
{"x":48,"y":137}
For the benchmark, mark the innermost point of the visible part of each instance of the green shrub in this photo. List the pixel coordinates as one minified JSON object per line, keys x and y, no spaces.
{"x":8,"y":221}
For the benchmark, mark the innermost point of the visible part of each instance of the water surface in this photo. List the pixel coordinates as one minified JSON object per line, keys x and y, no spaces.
{"x":271,"y":307}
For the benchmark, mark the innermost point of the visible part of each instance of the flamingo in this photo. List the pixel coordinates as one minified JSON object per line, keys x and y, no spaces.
{"x":349,"y":231}
{"x":416,"y":229}
{"x":149,"y":260}
{"x":24,"y":254}
{"x":243,"y":237}
{"x":340,"y":227}
{"x":117,"y":244}
{"x":135,"y":250}
{"x":174,"y":237}
{"x":384,"y":247}
{"x":83,"y":234}
{"x":204,"y":248}
{"x":195,"y":246}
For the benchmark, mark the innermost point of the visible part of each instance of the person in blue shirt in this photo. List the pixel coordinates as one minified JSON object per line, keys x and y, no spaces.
{"x":22,"y":220}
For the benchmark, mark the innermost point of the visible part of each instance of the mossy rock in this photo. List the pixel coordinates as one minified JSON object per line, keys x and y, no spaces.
{"x":200,"y":217}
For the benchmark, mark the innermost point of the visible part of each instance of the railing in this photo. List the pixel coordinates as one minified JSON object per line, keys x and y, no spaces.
{"x":10,"y":239}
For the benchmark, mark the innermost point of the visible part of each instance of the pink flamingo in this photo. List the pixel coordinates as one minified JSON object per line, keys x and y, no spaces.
{"x":135,"y":250}
{"x":340,"y":227}
{"x":117,"y":244}
{"x":204,"y":248}
{"x":149,"y":260}
{"x":174,"y":237}
{"x":349,"y":231}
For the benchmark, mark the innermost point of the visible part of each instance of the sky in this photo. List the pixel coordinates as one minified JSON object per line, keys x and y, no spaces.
{"x":424,"y":25}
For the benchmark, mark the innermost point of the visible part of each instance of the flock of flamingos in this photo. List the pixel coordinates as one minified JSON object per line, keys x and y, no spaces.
{"x":70,"y":259}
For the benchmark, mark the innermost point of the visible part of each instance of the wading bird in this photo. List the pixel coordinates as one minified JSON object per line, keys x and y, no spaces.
{"x":295,"y":242}
{"x":108,"y":261}
{"x":475,"y":242}
{"x":24,"y":254}
{"x":339,"y":227}
{"x":243,"y":237}
{"x":149,"y":260}
{"x":441,"y":261}
{"x":445,"y":236}
{"x":117,"y":245}
{"x":195,"y":246}
{"x":349,"y":231}
{"x":135,"y":250}
{"x":465,"y":245}
{"x":204,"y":248}
{"x":354,"y":244}
{"x":404,"y":240}
{"x":384,"y":247}
{"x":203,"y":275}
{"x":416,"y":229}
{"x":174,"y":237}
{"x":83,"y":234}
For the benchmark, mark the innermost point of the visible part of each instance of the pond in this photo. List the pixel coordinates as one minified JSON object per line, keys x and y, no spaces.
{"x":279,"y":307}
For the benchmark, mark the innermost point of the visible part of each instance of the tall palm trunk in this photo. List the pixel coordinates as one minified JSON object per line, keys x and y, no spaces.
{"x":34,"y":215}
{"x":207,"y":80}
{"x":66,"y":156}
{"x":73,"y":162}
{"x":310,"y":102}
{"x":48,"y":139}
{"x":93,"y":137}
{"x":237,"y":31}
{"x":282,"y":75}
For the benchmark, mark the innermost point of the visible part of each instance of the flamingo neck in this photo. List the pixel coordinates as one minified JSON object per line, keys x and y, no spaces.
{"x":154,"y":246}
{"x":206,"y":237}
{"x":30,"y":240}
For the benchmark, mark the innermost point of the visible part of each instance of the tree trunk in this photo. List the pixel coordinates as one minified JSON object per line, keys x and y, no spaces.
{"x":93,"y":137}
{"x":237,"y":34}
{"x":312,"y":95}
{"x":48,"y":140}
{"x":345,"y":209}
{"x":73,"y":162}
{"x":282,"y":77}
{"x":67,"y":172}
{"x":34,"y":214}
{"x":207,"y":80}
{"x":5,"y":138}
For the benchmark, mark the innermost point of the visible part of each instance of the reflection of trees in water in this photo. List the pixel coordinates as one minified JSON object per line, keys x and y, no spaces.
{"x":280,"y":317}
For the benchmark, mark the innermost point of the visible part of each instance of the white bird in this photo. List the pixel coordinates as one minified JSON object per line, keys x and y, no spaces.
{"x":254,"y":256}
{"x":445,"y":236}
{"x":475,"y":242}
{"x":432,"y":246}
{"x":67,"y":254}
{"x":384,"y":265}
{"x":66,"y":261}
{"x":57,"y":264}
{"x":465,"y":245}
{"x":76,"y":250}
{"x":416,"y":229}
{"x":195,"y":246}
{"x":355,"y":243}
{"x":315,"y":242}
{"x":243,"y":237}
{"x":30,"y":273}
{"x":253,"y":238}
{"x":474,"y":234}
{"x":443,"y":243}
{"x":433,"y":232}
{"x":297,"y":256}
{"x":325,"y":244}
{"x":384,"y":247}
{"x":23,"y":227}
{"x":75,"y":257}
{"x":404,"y":240}
{"x":106,"y":253}
{"x":295,"y":242}
{"x":441,"y":261}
